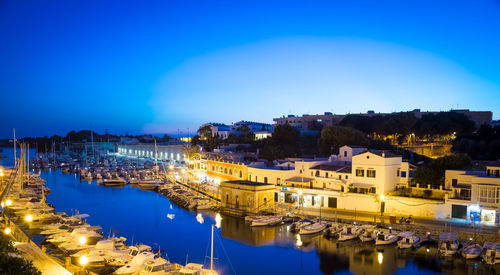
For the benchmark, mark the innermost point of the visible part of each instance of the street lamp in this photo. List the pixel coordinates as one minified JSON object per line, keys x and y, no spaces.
{"x":8,"y":202}
{"x":28,"y":218}
{"x":7,"y":231}
{"x":82,"y":240}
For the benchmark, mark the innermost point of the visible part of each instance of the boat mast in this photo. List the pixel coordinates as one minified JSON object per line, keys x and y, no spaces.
{"x":15,"y":155}
{"x":156,"y":159}
{"x":212,"y":251}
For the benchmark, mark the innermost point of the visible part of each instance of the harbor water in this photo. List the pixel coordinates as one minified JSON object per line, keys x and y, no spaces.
{"x":184,"y":236}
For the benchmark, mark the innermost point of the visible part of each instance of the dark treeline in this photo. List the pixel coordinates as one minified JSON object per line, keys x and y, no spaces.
{"x":405,"y":123}
{"x":483,"y":144}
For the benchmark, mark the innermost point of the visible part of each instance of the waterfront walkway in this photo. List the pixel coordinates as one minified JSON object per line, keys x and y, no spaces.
{"x":41,"y":260}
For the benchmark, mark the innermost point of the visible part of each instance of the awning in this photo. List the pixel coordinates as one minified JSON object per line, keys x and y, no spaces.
{"x":362,"y":185}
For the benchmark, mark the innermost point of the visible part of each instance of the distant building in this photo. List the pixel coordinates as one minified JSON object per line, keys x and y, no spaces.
{"x":246,"y":197}
{"x":261,"y":130}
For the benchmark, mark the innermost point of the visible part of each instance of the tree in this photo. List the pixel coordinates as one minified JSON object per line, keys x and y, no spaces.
{"x":11,"y":264}
{"x":337,"y":136}
{"x":433,"y":173}
{"x":205,"y":131}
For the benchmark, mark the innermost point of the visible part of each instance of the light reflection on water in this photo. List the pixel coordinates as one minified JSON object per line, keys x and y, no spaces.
{"x":143,"y":216}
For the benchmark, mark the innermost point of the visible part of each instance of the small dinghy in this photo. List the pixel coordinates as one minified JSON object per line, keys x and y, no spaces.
{"x":384,"y":238}
{"x":472,"y":251}
{"x":491,"y":253}
{"x":270,"y":220}
{"x":349,"y":232}
{"x":296,"y":226}
{"x":408,"y":239}
{"x":368,"y":234}
{"x":448,"y":243}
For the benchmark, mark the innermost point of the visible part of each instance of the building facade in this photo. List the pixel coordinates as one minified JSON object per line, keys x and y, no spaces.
{"x":171,"y":152}
{"x":475,"y":195}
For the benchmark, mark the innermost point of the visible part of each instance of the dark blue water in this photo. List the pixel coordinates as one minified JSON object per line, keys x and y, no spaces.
{"x":141,"y":216}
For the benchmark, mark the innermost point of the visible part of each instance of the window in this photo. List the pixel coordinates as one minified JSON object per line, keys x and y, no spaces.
{"x":332,"y":202}
{"x":397,"y":174}
{"x":241,"y":175}
{"x":324,"y":185}
{"x":225,"y":170}
{"x":345,"y":153}
{"x":340,"y":177}
{"x":265,"y":179}
{"x":346,"y":176}
{"x":360,"y":172}
{"x":326,"y":175}
{"x":373,"y":190}
{"x":278,"y":181}
{"x":275,"y":197}
{"x":370,"y":173}
{"x":489,"y":194}
{"x":454,"y":182}
{"x":317,"y":173}
{"x":230,"y":172}
{"x":256,"y":180}
{"x":403,"y":174}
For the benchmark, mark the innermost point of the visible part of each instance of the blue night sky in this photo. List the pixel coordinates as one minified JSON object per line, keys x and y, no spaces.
{"x":166,"y":66}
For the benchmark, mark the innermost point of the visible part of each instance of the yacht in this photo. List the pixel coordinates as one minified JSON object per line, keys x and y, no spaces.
{"x":196,"y":269}
{"x":136,"y":264}
{"x":114,"y":182}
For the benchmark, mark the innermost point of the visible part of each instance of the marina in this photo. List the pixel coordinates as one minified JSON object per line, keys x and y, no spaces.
{"x":182,"y":231}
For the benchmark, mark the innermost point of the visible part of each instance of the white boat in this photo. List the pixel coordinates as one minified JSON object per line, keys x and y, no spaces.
{"x":384,"y":238}
{"x":102,"y":252}
{"x":196,"y":269}
{"x":136,"y":264}
{"x":472,"y":251}
{"x":114,"y":182}
{"x":408,"y":239}
{"x":121,"y":260}
{"x":448,"y":243}
{"x":491,"y":253}
{"x":312,"y":228}
{"x":269,"y":220}
{"x":368,"y":234}
{"x":296,"y":226}
{"x":159,"y":266}
{"x":349,"y":232}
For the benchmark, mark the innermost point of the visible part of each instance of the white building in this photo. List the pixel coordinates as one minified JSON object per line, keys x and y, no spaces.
{"x":475,"y":194}
{"x":171,"y":152}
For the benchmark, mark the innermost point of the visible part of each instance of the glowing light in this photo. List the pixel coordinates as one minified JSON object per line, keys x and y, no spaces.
{"x":380,"y":258}
{"x":2,"y":204}
{"x":7,"y":231}
{"x":199,"y":218}
{"x":8,"y":202}
{"x":171,"y":166}
{"x":382,"y":197}
{"x":171,"y":216}
{"x":300,"y":192}
{"x":82,"y":240}
{"x":218,"y":220}
{"x":299,"y":241}
{"x":183,"y":171}
{"x":28,"y":218}
{"x":427,"y":250}
{"x":1,"y":172}
{"x":83,"y":260}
